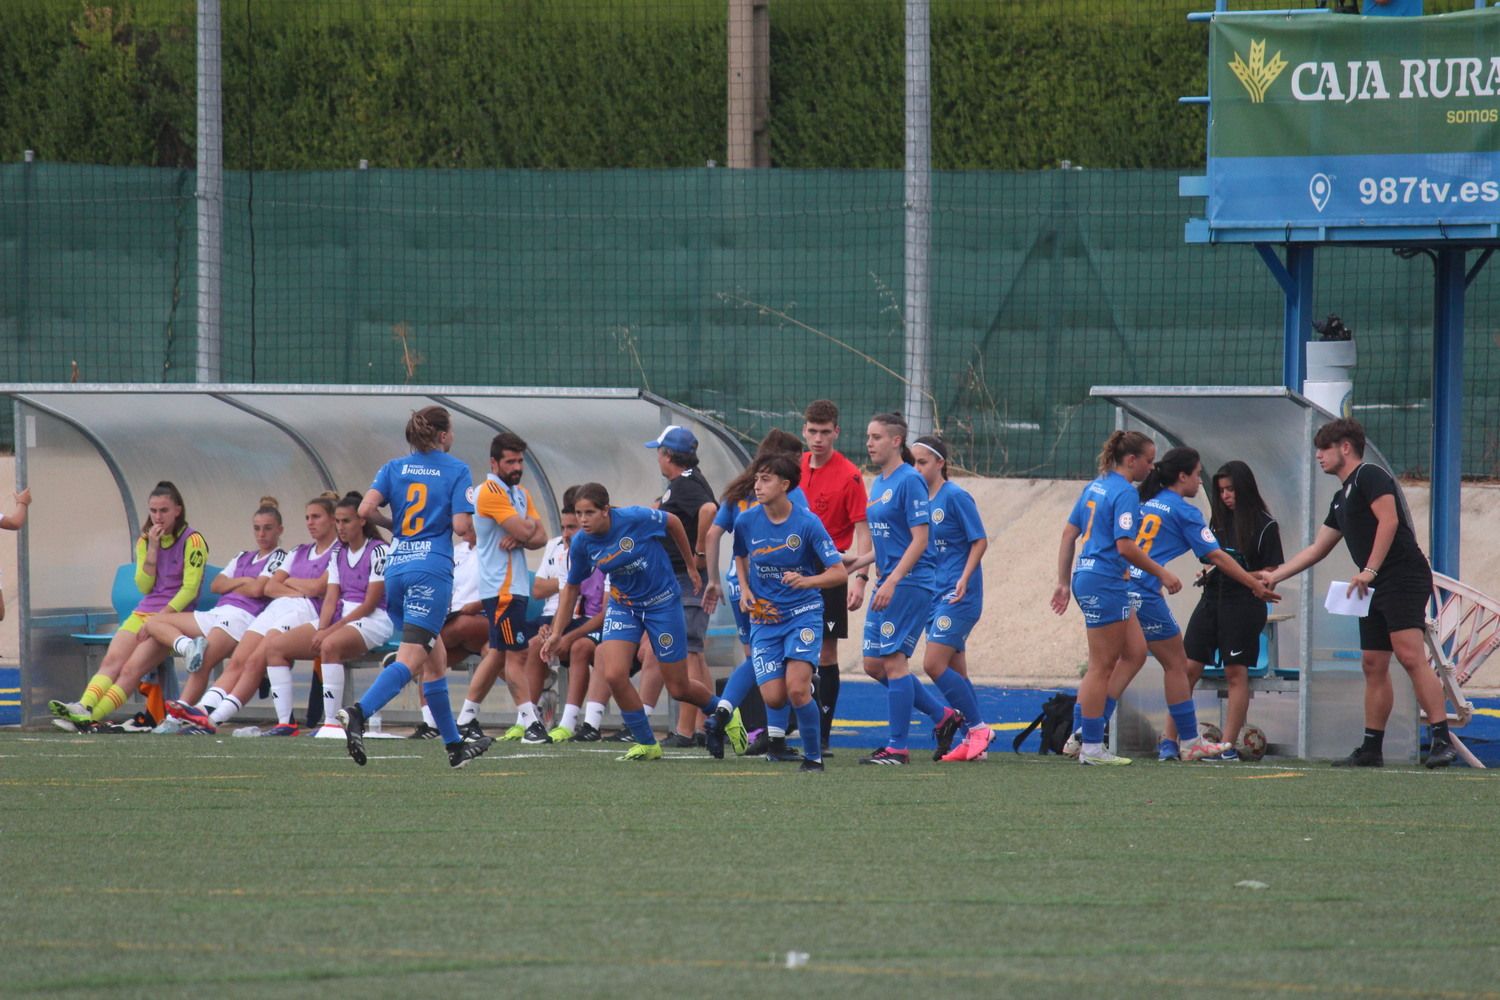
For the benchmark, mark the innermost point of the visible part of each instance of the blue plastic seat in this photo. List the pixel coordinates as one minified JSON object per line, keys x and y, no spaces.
{"x":124,"y":596}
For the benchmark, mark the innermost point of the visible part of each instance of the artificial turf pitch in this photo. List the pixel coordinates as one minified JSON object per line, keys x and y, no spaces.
{"x":140,"y":865}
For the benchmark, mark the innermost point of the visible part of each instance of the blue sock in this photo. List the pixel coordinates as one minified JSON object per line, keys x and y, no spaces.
{"x":923,"y":701}
{"x":638,"y":726}
{"x":1185,"y":718}
{"x":739,"y":684}
{"x":899,"y":696}
{"x":959,"y":694}
{"x":780,"y":718}
{"x":388,"y":684}
{"x":809,"y":721}
{"x":1109,"y":708}
{"x":1077,"y":715}
{"x":712,"y":704}
{"x":1093,"y":729}
{"x":973,"y":693}
{"x":436,"y":693}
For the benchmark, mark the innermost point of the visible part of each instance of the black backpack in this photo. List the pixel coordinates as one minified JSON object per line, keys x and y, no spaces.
{"x":1055,"y":722}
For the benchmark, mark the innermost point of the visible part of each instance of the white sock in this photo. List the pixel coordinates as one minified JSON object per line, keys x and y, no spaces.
{"x":570,"y":717}
{"x":213,"y":699}
{"x":333,"y":691}
{"x":526,"y":715}
{"x":427,"y":717}
{"x":776,"y":732}
{"x":468,"y":714}
{"x":593,"y":713}
{"x":226,"y":710}
{"x":182,"y":645}
{"x":1093,"y":748}
{"x":281,"y":693}
{"x":650,"y":710}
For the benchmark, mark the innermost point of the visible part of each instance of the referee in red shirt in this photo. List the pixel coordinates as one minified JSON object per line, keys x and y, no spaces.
{"x":835,"y":490}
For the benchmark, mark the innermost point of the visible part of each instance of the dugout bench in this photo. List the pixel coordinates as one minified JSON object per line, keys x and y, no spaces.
{"x":90,"y":453}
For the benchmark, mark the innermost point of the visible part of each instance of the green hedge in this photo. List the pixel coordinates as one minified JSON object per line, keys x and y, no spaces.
{"x":315,"y":84}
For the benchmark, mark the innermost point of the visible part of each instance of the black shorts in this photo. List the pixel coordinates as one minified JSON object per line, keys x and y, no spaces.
{"x":1397,"y":604}
{"x":836,"y":612}
{"x":507,"y":623}
{"x":1226,"y":632}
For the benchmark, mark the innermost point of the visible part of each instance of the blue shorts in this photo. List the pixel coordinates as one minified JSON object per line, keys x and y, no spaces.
{"x":949,"y":623}
{"x":741,"y":618}
{"x":771,"y":645}
{"x":419,"y":599}
{"x":507,"y":624}
{"x":897,"y":627}
{"x":1155,"y":617}
{"x":663,"y":623}
{"x":1104,"y":600}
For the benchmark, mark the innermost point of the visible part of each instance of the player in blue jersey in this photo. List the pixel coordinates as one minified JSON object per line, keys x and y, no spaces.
{"x":738,"y":497}
{"x":1169,"y":527}
{"x":644,"y":601}
{"x":956,"y":541}
{"x":1104,"y":522}
{"x":785,"y":557}
{"x":430,"y":496}
{"x":898,"y":518}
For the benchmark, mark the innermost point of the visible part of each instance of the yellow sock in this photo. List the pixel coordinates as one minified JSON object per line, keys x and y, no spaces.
{"x":98,"y":684}
{"x":111,"y":700}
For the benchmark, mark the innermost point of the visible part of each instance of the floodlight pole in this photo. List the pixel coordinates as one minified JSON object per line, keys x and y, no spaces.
{"x":918,"y":252}
{"x":209,"y":192}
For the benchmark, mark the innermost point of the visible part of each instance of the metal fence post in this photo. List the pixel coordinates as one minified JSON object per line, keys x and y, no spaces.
{"x":918,"y":304}
{"x":209,"y":192}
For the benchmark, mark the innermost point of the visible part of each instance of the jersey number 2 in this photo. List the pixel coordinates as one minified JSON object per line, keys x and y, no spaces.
{"x":416,"y":502}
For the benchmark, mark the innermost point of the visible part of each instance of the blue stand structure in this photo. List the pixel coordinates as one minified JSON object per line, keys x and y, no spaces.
{"x":1449,"y":247}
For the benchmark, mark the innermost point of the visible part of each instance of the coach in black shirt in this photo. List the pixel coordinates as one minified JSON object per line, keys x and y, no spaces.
{"x":1370,"y":514}
{"x":689,"y":496}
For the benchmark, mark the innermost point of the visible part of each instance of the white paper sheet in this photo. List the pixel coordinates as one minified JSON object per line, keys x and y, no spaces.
{"x":1338,"y":604}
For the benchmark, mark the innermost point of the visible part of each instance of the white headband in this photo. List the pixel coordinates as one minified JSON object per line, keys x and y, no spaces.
{"x":919,"y":444}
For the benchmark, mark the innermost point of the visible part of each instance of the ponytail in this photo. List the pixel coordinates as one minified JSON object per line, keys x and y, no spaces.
{"x":1118,"y":446}
{"x":1165,"y":473}
{"x":426,"y":426}
{"x":896,"y":421}
{"x":776,"y":442}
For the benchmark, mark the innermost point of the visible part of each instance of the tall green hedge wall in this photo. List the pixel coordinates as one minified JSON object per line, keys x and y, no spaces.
{"x":597,"y":83}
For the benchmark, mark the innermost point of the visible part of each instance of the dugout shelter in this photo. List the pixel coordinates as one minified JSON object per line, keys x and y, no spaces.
{"x":1310,"y":699}
{"x":92,"y":453}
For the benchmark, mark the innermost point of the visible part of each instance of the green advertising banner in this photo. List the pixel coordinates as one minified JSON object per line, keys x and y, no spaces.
{"x":1331,"y":120}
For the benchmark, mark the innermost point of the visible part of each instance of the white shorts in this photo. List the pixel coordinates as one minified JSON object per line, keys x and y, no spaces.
{"x":231,"y":620}
{"x":282,"y":614}
{"x":374,"y":628}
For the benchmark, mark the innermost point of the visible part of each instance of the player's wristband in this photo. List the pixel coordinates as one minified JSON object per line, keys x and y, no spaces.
{"x":862,"y":576}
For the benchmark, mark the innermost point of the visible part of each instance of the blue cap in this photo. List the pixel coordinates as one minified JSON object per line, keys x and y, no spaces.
{"x":675,"y":438}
